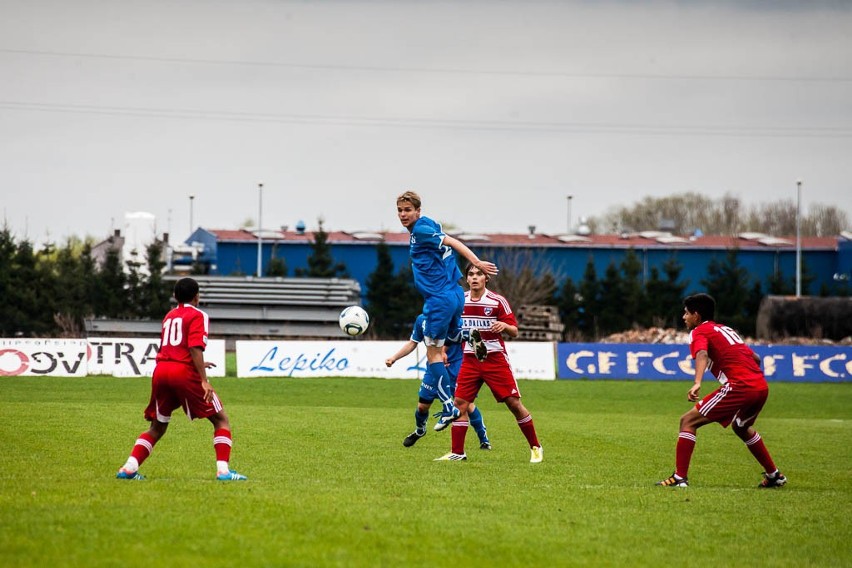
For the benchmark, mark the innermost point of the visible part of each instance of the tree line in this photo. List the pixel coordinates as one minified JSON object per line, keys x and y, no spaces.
{"x":687,"y":213}
{"x":52,"y":291}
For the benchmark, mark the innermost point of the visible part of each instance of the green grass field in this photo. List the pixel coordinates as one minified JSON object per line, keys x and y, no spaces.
{"x":330,"y":483}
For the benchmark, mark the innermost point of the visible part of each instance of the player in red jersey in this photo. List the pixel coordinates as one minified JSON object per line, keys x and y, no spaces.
{"x":719,"y":349}
{"x":180,"y":380}
{"x":488,"y":316}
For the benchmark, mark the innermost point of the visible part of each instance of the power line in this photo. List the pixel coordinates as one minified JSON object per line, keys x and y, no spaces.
{"x":428,"y":70}
{"x":433,"y":123}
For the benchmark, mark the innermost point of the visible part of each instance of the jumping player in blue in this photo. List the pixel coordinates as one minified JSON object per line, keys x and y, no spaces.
{"x":432,"y":387}
{"x":436,"y":277}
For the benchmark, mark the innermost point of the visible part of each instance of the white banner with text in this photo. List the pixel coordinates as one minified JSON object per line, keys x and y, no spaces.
{"x":43,"y":357}
{"x":123,"y":357}
{"x":530,"y":360}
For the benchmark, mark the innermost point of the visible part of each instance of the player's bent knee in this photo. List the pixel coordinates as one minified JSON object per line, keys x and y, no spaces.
{"x":744,"y":433}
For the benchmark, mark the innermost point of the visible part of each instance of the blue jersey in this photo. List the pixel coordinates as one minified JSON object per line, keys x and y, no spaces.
{"x":432,"y":262}
{"x":454,"y":345}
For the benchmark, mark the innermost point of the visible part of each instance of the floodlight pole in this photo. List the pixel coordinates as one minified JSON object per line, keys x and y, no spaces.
{"x":259,"y":227}
{"x":570,"y":197}
{"x":798,"y":238}
{"x":191,"y":201}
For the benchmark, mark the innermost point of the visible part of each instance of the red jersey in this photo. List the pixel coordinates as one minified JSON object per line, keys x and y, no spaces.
{"x":183,"y":327}
{"x":731,"y":360}
{"x":480,"y":314}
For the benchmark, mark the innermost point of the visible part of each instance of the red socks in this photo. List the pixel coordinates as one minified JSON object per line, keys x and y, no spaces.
{"x":222,"y":444}
{"x":683,"y":452}
{"x":528,"y":428}
{"x":458,"y":431}
{"x":758,"y":449}
{"x":143,"y":447}
{"x":686,"y":443}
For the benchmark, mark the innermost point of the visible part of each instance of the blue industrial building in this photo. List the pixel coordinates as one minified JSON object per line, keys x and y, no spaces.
{"x":828,"y":260}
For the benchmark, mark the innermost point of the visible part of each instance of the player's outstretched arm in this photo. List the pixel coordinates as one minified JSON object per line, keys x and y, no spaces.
{"x":487,"y":267}
{"x":406,"y":349}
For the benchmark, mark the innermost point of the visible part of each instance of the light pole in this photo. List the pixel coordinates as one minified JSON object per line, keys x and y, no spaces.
{"x":259,"y":227}
{"x":191,"y":200}
{"x":798,"y":238}
{"x":570,"y":197}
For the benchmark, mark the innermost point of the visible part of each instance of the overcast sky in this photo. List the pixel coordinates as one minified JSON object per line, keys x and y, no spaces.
{"x":494,"y":111}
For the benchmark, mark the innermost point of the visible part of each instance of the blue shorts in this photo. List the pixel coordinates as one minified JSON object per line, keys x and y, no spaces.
{"x":429,"y":387}
{"x":442,"y":316}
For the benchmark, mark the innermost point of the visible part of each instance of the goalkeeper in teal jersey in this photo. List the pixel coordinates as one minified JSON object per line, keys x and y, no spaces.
{"x":439,"y":387}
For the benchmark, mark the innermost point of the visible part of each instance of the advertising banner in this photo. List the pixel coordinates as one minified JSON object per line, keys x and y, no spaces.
{"x":43,"y":357}
{"x":799,"y":363}
{"x":367,"y":359}
{"x":123,"y":357}
{"x":325,"y":359}
{"x":532,"y":359}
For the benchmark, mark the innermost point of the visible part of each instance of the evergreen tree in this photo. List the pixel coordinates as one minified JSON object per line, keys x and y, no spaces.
{"x":633,"y":300}
{"x":32,"y":316}
{"x":88,"y":273}
{"x":111,"y":287}
{"x":777,"y":285}
{"x":780,"y":286}
{"x":276,"y":267}
{"x":406,"y":304}
{"x":590,"y":290}
{"x":9,"y":304}
{"x":568,"y":300}
{"x":320,"y":262}
{"x":548,"y":282}
{"x":665,"y":297}
{"x":380,"y":288}
{"x":611,"y":315}
{"x":134,"y":306}
{"x":749,"y":323}
{"x":46,"y":286}
{"x":731,"y":287}
{"x":71,"y":292}
{"x":156,"y":293}
{"x":392,"y":300}
{"x":14,"y":313}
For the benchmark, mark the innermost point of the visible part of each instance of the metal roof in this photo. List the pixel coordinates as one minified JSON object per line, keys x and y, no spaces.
{"x":652,"y":239}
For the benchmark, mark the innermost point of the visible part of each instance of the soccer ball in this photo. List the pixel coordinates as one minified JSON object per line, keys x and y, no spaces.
{"x":354,"y":320}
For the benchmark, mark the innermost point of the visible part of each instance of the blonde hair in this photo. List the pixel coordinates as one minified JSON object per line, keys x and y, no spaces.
{"x":410,"y":197}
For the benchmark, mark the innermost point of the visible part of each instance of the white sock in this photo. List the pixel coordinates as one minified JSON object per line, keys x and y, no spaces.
{"x":131,"y":464}
{"x":222,"y":467}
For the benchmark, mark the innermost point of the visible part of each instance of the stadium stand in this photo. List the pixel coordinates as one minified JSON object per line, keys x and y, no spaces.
{"x":251,"y":307}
